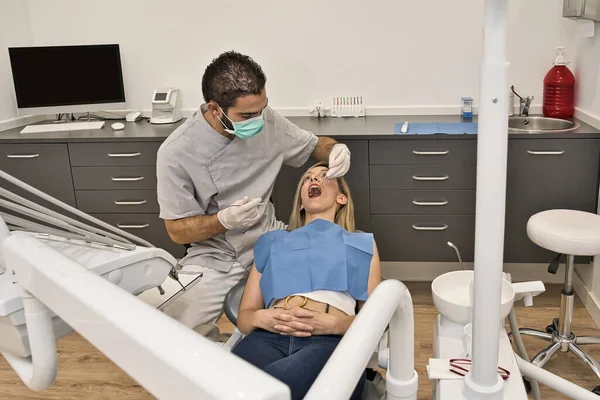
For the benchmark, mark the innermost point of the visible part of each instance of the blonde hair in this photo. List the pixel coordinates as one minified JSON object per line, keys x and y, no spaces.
{"x":344,"y":217}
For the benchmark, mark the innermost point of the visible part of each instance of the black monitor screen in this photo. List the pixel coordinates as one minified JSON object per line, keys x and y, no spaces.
{"x":67,"y":75}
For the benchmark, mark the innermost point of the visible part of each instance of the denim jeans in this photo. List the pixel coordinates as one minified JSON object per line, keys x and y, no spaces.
{"x":295,"y":361}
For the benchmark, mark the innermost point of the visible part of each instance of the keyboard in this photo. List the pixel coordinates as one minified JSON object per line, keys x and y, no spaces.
{"x":64,"y":127}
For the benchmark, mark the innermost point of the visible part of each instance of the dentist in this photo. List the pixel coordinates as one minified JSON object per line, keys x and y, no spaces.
{"x":215,"y":176}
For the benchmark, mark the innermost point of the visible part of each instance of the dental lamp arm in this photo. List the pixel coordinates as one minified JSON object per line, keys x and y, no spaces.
{"x":166,"y":358}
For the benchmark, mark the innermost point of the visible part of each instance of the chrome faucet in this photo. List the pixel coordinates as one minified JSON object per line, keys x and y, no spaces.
{"x":524,"y":103}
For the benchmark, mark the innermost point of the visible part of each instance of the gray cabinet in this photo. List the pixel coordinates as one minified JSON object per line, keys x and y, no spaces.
{"x":415,"y":195}
{"x":116,"y":182}
{"x":113,"y":153}
{"x":545,"y":174}
{"x":357,"y":178}
{"x":43,"y":166}
{"x":117,"y":201}
{"x":422,"y":195}
{"x":424,"y":237}
{"x":417,"y":205}
{"x":423,"y":177}
{"x":430,"y":151}
{"x":146,"y":226}
{"x":115,"y":178}
{"x":424,"y":202}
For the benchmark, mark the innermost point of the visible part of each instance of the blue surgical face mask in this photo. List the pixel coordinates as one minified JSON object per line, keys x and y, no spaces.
{"x":244,"y":129}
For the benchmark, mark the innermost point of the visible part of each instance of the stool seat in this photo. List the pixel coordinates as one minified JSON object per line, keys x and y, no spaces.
{"x":566,"y":232}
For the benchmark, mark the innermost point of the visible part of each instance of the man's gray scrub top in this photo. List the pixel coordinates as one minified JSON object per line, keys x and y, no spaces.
{"x":199,"y":171}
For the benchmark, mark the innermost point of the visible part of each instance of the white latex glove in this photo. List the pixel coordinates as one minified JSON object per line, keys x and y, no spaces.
{"x":240,"y":214}
{"x":339,"y":161}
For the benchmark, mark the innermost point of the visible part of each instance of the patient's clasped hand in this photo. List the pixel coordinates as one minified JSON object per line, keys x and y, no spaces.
{"x":306,"y":285}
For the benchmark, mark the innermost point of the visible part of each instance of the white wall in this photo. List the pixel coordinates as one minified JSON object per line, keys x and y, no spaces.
{"x":410,"y":54}
{"x":588,"y":73}
{"x":14,"y":31}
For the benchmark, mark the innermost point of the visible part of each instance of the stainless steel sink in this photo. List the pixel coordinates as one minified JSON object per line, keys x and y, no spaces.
{"x":540,"y":125}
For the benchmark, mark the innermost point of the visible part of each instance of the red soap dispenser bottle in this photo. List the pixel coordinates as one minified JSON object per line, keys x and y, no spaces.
{"x":559,"y":89}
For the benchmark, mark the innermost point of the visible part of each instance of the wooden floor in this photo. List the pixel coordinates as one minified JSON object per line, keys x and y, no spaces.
{"x":84,"y":373}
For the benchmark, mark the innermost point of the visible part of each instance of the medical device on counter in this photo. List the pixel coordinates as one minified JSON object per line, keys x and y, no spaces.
{"x":165,"y":106}
{"x":348,"y":106}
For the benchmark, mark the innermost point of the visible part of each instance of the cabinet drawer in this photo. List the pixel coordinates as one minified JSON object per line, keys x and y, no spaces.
{"x":43,"y":166}
{"x":424,"y":238}
{"x":117,"y":153}
{"x":428,"y":202}
{"x":544,"y":174}
{"x":434,"y":151}
{"x":146,"y":226}
{"x":423,"y":177}
{"x":114,"y":178}
{"x":117,"y":201}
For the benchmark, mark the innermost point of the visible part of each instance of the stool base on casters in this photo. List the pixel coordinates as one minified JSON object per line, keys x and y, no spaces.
{"x":561,"y":342}
{"x":571,"y":233}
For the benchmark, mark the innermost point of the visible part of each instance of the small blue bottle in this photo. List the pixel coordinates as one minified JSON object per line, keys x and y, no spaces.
{"x":466,"y":108}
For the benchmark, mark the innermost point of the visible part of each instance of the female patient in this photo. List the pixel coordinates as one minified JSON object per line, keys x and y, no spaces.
{"x":306,"y":284}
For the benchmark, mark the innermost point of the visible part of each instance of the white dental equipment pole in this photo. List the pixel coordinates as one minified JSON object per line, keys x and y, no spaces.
{"x":483,"y":382}
{"x":165,"y":357}
{"x":555,"y":382}
{"x":390,"y":301}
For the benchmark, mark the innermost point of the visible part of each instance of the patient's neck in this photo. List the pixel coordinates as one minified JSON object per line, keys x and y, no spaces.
{"x":328,"y":215}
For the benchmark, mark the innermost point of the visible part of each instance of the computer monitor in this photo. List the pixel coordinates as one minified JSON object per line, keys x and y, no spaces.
{"x":67,"y":79}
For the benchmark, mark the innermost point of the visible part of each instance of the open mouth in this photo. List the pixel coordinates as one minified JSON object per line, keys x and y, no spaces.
{"x":314,"y":190}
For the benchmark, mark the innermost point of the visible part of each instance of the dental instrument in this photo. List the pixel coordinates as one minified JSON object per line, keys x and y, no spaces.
{"x":457,"y":254}
{"x":404,"y":128}
{"x":237,"y":205}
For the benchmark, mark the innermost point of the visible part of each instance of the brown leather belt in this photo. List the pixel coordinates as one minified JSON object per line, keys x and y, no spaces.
{"x":308,"y":304}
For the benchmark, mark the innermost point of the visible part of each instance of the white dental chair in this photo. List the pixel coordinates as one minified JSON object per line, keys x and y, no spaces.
{"x":375,"y":383}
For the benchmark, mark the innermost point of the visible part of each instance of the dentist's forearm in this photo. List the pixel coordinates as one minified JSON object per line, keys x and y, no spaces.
{"x":323,"y":148}
{"x":194,"y":229}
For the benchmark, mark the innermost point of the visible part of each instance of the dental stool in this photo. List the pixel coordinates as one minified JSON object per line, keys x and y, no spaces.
{"x":573,"y":233}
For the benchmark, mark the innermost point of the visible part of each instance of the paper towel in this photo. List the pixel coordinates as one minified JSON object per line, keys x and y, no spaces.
{"x":585,"y":28}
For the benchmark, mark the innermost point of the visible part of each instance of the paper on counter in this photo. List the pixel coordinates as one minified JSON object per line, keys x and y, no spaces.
{"x":439,"y":368}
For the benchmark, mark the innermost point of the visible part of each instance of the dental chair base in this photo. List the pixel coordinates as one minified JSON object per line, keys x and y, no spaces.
{"x":448,"y":343}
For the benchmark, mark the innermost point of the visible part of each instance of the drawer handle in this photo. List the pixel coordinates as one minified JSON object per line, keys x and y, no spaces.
{"x":125,"y":226}
{"x":430,"y":203}
{"x":431,"y":153}
{"x":546,"y":153}
{"x":430,"y":228}
{"x":22,"y":155}
{"x":430,"y":178}
{"x":124,"y":154}
{"x":131,"y":179}
{"x":130,"y":203}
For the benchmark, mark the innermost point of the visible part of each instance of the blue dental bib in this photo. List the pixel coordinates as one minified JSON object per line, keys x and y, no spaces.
{"x":319,"y":256}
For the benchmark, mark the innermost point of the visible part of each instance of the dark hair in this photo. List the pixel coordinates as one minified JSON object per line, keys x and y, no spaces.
{"x":230,"y":76}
